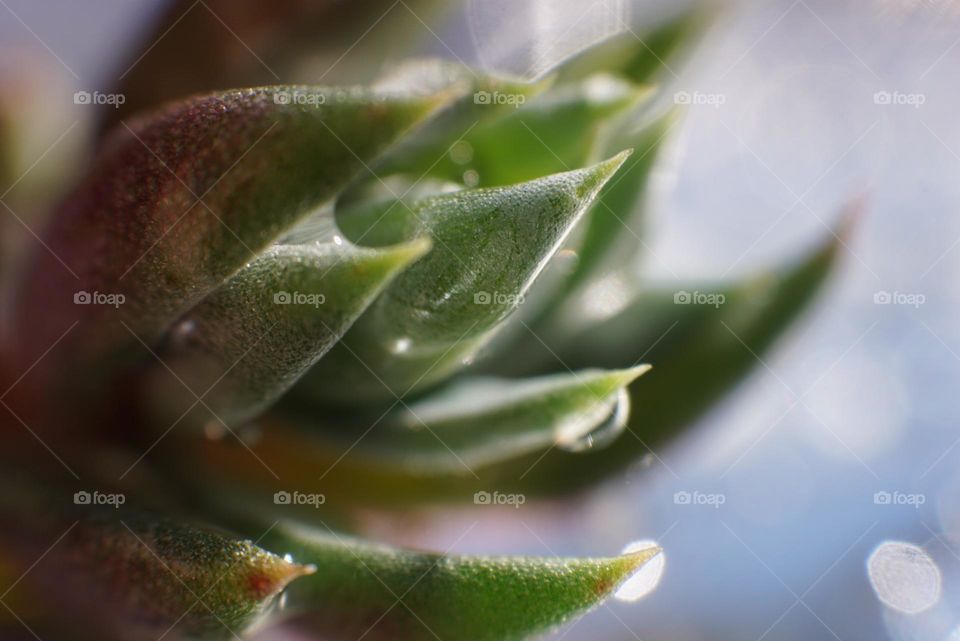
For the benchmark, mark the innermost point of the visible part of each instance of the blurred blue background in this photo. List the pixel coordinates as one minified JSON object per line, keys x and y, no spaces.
{"x":844,"y":442}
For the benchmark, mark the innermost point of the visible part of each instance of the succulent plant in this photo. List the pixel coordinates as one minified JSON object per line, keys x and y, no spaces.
{"x":263,"y":308}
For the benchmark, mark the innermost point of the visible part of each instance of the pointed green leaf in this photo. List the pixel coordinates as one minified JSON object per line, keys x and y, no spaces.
{"x":160,"y":570}
{"x":639,"y":57}
{"x":379,"y":592}
{"x":483,"y":100}
{"x":699,"y":352}
{"x":696,"y":362}
{"x":180,"y":199}
{"x":478,"y":422}
{"x":613,"y":226}
{"x":250,"y":340}
{"x":118,"y":573}
{"x":489,"y":245}
{"x":609,"y":237}
{"x":553,"y":132}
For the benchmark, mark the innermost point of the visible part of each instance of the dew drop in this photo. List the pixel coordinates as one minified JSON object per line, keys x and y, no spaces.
{"x":606,"y":430}
{"x":567,"y":260}
{"x":646,"y":577}
{"x":183,"y":333}
{"x":337,"y":240}
{"x":401,"y":345}
{"x":461,"y":152}
{"x":471,"y":178}
{"x":904,"y":577}
{"x":607,"y":297}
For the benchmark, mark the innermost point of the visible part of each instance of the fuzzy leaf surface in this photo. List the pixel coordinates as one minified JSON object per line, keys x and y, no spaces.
{"x":488,"y":247}
{"x":455,"y":598}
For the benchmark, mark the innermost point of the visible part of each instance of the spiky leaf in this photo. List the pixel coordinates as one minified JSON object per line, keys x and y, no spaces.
{"x":613,"y":226}
{"x":489,"y":245}
{"x":386,"y":593}
{"x":554,"y":132}
{"x":698,"y":355}
{"x":117,"y":573}
{"x":180,"y":199}
{"x":639,"y":57}
{"x":249,"y":341}
{"x":479,"y":422}
{"x":702,"y":349}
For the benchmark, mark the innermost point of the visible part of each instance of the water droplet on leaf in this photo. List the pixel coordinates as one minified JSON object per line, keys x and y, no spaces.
{"x":603,"y":432}
{"x":645,"y":578}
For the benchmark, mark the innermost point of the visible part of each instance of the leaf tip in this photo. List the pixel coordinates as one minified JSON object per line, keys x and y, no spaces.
{"x":596,"y":176}
{"x":633,"y":373}
{"x":606,"y":382}
{"x":412,"y":251}
{"x":275,"y":573}
{"x":643,"y":568}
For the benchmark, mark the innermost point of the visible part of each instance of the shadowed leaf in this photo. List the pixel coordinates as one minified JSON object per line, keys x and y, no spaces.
{"x":551,"y":132}
{"x":640,"y":57}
